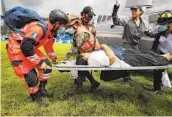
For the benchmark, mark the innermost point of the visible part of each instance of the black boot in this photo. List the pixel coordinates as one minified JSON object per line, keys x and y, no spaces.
{"x":38,"y":99}
{"x":78,"y":82}
{"x":94,"y":84}
{"x":43,"y":91}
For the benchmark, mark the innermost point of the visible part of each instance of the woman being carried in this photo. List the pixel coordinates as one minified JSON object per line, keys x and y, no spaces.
{"x":128,"y":57}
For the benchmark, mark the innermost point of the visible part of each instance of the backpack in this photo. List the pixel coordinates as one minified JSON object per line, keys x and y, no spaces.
{"x":17,"y":17}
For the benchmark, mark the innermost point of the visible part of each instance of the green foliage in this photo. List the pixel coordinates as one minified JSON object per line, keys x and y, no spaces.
{"x":110,"y":99}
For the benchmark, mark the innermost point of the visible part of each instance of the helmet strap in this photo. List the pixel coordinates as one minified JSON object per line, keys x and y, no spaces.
{"x":56,"y":26}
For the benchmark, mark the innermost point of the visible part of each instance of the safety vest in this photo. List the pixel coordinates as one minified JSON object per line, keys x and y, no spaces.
{"x":88,"y":45}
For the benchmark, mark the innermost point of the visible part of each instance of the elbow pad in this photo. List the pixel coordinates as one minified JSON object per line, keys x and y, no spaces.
{"x":27,"y":46}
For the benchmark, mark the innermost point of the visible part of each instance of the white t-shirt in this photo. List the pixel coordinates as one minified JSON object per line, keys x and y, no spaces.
{"x":165,"y":43}
{"x":100,"y":58}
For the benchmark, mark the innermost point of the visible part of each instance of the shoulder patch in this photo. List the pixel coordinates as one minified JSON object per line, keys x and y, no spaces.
{"x":34,"y":35}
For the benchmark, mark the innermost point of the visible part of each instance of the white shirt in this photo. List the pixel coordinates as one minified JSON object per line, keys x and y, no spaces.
{"x":100,"y":58}
{"x":165,"y":43}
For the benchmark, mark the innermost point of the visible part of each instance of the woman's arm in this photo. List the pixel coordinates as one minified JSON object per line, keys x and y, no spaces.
{"x":109,"y":53}
{"x":116,"y":20}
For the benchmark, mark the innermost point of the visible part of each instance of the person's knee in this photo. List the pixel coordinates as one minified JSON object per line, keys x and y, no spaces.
{"x":31,"y":78}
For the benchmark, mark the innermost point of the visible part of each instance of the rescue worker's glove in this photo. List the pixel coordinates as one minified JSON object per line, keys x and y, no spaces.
{"x":54,"y":61}
{"x":44,"y":66}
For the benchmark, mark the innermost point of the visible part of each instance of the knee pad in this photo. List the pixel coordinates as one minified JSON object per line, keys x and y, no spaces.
{"x":48,"y":63}
{"x":47,"y":71}
{"x":31,"y":78}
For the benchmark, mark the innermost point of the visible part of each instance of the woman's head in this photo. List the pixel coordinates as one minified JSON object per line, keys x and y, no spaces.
{"x":136,"y":11}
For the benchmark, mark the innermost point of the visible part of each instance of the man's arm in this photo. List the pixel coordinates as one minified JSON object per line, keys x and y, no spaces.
{"x":48,"y":47}
{"x":109,"y":53}
{"x":71,"y":52}
{"x":29,"y":41}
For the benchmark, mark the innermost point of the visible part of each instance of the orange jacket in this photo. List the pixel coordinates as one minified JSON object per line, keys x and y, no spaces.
{"x":35,"y":32}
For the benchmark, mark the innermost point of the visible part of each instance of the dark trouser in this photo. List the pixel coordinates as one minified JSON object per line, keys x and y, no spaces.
{"x":157,"y":75}
{"x":83,"y":74}
{"x":113,"y":75}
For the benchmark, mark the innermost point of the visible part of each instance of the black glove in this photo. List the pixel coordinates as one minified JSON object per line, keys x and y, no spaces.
{"x":116,"y":6}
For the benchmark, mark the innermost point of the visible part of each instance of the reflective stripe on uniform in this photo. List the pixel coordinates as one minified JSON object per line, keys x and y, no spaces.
{"x":33,"y":90}
{"x":34,"y":58}
{"x":44,"y":76}
{"x":52,"y":54}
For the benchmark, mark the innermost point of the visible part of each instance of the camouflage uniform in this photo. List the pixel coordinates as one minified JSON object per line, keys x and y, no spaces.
{"x":82,"y":36}
{"x":77,"y":42}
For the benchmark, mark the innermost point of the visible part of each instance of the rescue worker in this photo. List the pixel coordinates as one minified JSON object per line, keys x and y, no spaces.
{"x":26,"y":58}
{"x":162,"y":43}
{"x":86,"y":19}
{"x":83,"y":41}
{"x":87,"y":15}
{"x":134,"y":29}
{"x":163,"y":39}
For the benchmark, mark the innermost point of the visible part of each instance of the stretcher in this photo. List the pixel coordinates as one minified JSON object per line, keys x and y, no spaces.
{"x":70,"y":65}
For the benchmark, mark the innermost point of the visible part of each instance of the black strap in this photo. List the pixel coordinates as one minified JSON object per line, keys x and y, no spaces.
{"x":94,"y":43}
{"x":16,"y":63}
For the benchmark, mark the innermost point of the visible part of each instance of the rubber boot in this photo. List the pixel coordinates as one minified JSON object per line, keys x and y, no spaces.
{"x":94,"y":84}
{"x":78,"y":82}
{"x":43,"y":91}
{"x":38,"y":99}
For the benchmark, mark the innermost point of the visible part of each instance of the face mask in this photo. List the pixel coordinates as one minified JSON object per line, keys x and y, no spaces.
{"x":70,"y":31}
{"x":61,"y":31}
{"x":89,"y":17}
{"x":162,"y":28}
